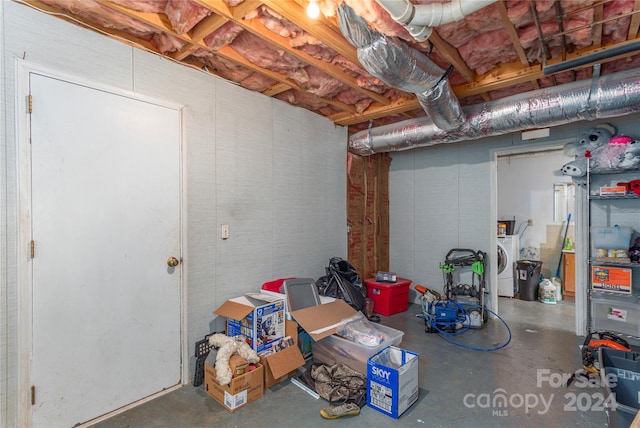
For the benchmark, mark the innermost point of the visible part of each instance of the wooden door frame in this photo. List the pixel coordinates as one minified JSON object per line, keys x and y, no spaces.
{"x":24,"y":273}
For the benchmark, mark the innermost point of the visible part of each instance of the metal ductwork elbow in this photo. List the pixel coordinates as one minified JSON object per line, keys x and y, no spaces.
{"x":404,"y":68}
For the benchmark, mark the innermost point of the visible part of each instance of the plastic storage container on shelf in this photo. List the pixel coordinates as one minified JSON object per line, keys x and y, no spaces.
{"x":335,"y":349}
{"x":388,"y":297}
{"x":611,"y":243}
{"x":611,"y":237}
{"x":620,"y":375}
{"x":617,"y":313}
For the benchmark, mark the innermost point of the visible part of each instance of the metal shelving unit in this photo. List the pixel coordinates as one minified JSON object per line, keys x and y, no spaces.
{"x":618,"y":313}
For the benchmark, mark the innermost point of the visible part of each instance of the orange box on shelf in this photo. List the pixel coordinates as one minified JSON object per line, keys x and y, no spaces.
{"x":613,"y":279}
{"x":388,"y":297}
{"x":613,"y":190}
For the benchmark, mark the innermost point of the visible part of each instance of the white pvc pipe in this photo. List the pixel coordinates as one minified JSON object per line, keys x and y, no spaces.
{"x":419,"y":19}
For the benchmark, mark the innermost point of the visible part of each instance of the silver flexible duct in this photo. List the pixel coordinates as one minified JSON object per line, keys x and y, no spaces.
{"x":613,"y":95}
{"x":404,"y":68}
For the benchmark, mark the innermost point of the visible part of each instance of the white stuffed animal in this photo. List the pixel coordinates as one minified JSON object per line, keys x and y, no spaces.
{"x":227,"y":347}
{"x":607,"y":152}
{"x":593,"y":140}
{"x":631,"y":155}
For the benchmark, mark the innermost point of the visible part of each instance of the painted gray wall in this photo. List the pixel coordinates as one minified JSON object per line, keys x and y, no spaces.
{"x":443,"y":197}
{"x":438,"y":201}
{"x":274,"y":172}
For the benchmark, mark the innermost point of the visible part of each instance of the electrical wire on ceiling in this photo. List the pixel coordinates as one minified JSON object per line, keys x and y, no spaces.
{"x":543,"y":44}
{"x":591,"y":25}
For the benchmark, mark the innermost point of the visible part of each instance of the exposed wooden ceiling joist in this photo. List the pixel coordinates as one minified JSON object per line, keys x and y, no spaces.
{"x":154,"y":31}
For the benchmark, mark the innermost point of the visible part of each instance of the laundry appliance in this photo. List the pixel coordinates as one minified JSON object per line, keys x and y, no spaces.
{"x":508,"y":253}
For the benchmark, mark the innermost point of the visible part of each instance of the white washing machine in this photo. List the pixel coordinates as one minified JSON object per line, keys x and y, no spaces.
{"x":508,"y":253}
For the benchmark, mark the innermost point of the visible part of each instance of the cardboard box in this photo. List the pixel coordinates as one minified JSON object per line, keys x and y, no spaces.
{"x":284,"y":363}
{"x":305,"y":342}
{"x":613,"y":190}
{"x":238,"y":365}
{"x":258,"y":318}
{"x":392,"y":381}
{"x":241,"y":391}
{"x":323,"y":320}
{"x":287,"y":312}
{"x":386,"y":277}
{"x":612,"y":279}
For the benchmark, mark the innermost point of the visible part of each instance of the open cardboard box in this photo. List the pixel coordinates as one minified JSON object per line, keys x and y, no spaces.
{"x":257,"y":317}
{"x":323,"y":320}
{"x":245,"y":311}
{"x":241,"y":391}
{"x":283,"y":364}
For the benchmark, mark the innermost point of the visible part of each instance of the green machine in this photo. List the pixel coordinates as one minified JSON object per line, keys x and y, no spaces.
{"x":460,"y":262}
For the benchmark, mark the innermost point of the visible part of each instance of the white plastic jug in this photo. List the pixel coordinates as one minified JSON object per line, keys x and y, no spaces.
{"x":558,"y":285}
{"x":547,"y":292}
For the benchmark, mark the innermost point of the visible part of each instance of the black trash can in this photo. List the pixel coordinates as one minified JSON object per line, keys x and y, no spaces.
{"x":528,"y":272}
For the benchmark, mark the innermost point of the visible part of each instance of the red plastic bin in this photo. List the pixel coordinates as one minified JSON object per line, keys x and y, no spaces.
{"x":388,"y":297}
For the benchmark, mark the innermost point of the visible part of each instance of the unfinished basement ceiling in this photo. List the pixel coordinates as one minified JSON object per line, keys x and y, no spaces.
{"x":273,"y":47}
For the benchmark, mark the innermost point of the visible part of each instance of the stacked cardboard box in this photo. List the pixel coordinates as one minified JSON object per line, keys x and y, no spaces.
{"x":260,"y":321}
{"x":241,"y":391}
{"x":258,"y":318}
{"x":282,"y":364}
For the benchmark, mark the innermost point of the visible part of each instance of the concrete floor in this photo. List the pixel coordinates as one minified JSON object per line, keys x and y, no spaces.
{"x":457,"y":385}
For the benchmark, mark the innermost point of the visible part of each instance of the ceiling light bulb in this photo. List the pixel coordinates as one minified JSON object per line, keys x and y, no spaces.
{"x":313,"y":10}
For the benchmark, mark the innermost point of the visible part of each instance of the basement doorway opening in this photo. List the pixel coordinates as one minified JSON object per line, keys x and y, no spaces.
{"x":525,"y":195}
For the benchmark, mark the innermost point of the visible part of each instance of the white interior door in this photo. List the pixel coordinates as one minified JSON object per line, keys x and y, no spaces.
{"x":105,"y":220}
